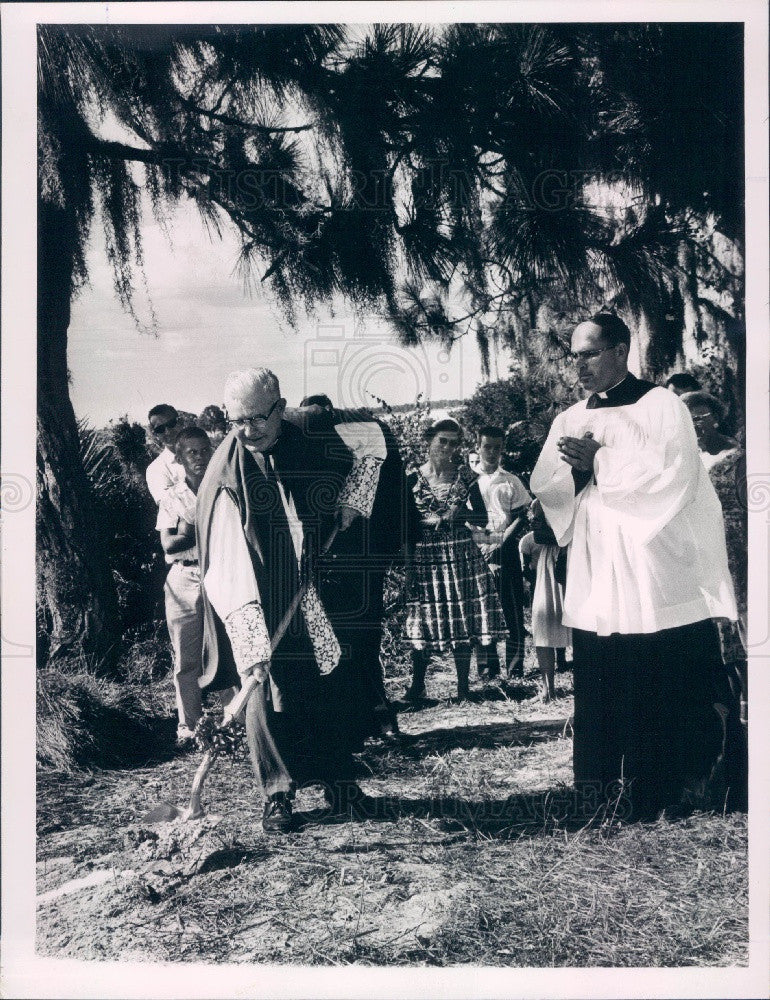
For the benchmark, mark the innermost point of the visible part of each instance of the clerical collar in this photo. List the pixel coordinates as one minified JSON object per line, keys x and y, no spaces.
{"x":612,"y":388}
{"x":629,"y":390}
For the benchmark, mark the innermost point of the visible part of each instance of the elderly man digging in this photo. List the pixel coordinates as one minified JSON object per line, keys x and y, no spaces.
{"x":273,"y":495}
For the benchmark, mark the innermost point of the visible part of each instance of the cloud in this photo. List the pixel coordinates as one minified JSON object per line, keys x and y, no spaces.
{"x":208,"y":326}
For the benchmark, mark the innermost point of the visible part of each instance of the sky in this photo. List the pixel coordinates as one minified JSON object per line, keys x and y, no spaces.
{"x":208,"y":325}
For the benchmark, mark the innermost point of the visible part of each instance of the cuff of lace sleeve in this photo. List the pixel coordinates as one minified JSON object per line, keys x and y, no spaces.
{"x":361,"y":485}
{"x":247,"y":632}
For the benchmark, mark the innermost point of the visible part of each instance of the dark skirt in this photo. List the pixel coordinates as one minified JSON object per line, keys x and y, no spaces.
{"x":656,"y":725}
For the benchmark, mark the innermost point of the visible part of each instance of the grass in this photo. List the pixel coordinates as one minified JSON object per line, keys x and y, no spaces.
{"x":467,"y":854}
{"x":84,"y":720}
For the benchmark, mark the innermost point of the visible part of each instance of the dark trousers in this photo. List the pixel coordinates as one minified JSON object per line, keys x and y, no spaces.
{"x":295,"y":724}
{"x":509,"y":581}
{"x":656,"y":713}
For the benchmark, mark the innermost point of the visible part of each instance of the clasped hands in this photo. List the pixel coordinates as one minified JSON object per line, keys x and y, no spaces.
{"x":579,"y":452}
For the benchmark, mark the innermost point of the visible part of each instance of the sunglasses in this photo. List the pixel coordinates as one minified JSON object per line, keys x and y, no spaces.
{"x":162,"y":428}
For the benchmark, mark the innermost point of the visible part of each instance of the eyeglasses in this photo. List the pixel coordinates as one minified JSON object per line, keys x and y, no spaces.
{"x":162,"y":428}
{"x":257,"y":418}
{"x":587,"y":355}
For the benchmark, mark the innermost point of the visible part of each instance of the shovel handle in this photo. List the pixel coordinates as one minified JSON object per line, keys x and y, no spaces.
{"x":238,"y":703}
{"x":194,"y":808}
{"x":330,"y":540}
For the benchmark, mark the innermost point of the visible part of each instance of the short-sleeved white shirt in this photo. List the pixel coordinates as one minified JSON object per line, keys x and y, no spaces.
{"x":162,"y":472}
{"x":502,"y":493}
{"x":177,"y":503}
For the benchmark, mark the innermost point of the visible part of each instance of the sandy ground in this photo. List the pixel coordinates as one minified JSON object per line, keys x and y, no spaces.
{"x":465,"y":851}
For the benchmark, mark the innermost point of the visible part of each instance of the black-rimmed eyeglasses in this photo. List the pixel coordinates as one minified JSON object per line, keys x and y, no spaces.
{"x":252,"y":421}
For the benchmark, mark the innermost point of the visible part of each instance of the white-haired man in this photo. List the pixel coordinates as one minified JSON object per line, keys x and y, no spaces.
{"x":273,"y":492}
{"x":620,"y":480}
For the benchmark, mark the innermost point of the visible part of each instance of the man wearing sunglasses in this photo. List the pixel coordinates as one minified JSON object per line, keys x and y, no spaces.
{"x":272,"y":497}
{"x":164,"y":471}
{"x":621,"y":482}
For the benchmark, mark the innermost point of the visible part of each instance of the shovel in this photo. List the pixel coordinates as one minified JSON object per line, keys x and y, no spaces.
{"x":165,"y":812}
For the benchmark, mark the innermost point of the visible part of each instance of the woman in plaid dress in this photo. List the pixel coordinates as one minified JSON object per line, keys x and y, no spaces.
{"x":453,"y":600}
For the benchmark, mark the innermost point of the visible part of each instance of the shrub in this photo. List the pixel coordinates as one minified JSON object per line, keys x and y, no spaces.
{"x":129,"y":440}
{"x":114,"y":460}
{"x":394,"y":650}
{"x":84,"y":720}
{"x":147,"y":653}
{"x":524,"y":405}
{"x":409,"y":429}
{"x":212,"y":420}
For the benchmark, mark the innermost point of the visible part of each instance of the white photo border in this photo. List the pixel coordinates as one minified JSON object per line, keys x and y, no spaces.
{"x":26,"y":975}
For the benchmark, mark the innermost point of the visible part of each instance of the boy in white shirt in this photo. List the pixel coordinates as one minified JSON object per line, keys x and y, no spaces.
{"x":507,"y":501}
{"x":184,"y":608}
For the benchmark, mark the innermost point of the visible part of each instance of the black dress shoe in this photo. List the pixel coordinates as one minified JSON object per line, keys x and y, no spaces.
{"x":277,"y":815}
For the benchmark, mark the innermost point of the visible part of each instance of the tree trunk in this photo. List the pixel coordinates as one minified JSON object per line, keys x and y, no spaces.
{"x":76,"y":593}
{"x":688,"y":288}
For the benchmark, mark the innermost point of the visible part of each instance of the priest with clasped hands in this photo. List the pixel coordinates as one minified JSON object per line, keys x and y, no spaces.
{"x":621,"y":483}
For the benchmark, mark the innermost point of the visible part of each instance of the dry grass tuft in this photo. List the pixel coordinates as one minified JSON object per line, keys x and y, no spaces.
{"x":85,"y":720}
{"x":662,"y":894}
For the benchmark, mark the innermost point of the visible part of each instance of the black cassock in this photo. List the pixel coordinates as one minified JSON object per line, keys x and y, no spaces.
{"x":656,"y":722}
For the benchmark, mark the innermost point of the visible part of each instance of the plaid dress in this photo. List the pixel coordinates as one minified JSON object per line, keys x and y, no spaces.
{"x":453,"y":599}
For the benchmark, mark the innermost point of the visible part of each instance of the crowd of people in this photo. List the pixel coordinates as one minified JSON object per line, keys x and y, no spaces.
{"x":278,"y":543}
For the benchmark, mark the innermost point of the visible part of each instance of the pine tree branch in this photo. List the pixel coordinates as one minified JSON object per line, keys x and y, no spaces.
{"x":246,"y":126}
{"x":123,"y":151}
